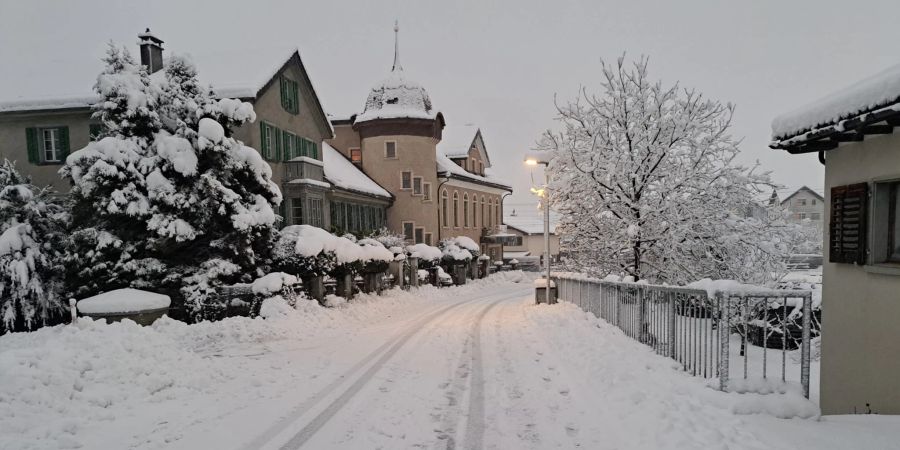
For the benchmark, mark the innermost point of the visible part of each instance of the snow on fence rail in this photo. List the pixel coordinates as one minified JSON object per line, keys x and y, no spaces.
{"x":686,"y":323}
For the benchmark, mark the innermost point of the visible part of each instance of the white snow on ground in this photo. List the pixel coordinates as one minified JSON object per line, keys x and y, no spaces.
{"x":477,"y":366}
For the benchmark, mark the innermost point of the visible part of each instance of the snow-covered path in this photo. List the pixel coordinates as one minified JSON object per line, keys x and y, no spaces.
{"x":478,"y":366}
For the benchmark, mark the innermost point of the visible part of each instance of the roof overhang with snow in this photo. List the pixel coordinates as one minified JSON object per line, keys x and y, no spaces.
{"x":802,"y":189}
{"x":870,"y":107}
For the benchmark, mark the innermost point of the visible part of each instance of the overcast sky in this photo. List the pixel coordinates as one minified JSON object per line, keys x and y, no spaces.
{"x":498,"y":64}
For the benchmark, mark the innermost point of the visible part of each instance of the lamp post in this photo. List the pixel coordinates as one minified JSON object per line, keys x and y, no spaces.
{"x":535,"y":160}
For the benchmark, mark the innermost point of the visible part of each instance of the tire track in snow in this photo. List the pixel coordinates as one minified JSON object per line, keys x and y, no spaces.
{"x":385,"y":351}
{"x":475,"y":421}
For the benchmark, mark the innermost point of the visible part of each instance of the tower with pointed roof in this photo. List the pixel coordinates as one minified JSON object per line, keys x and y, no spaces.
{"x":399,"y":140}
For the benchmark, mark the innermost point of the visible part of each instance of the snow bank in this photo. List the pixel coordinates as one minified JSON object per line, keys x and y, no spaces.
{"x":542,"y":282}
{"x":121,"y":301}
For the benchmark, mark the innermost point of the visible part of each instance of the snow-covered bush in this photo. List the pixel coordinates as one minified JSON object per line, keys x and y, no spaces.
{"x":428,"y":256}
{"x":453,"y":254}
{"x":375,"y":256}
{"x":388,"y":238}
{"x":646,"y":181}
{"x":306,"y":250}
{"x":31,"y":222}
{"x":167,"y":198}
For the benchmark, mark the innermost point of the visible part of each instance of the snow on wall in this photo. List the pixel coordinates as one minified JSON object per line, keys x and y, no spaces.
{"x":123,"y":301}
{"x":342,"y":173}
{"x":875,"y":91}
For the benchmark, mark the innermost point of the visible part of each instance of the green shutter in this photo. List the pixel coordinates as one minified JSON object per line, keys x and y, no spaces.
{"x":63,"y":143}
{"x":282,"y":211}
{"x":286,"y":145}
{"x":262,"y":138}
{"x":296,"y":97}
{"x":282,"y":91}
{"x":31,"y":139}
{"x":277,"y":144}
{"x":315,"y":150}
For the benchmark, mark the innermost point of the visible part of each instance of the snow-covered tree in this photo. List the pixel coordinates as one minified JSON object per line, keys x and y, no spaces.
{"x":182,"y":206}
{"x":31,"y":222}
{"x":645,"y":179}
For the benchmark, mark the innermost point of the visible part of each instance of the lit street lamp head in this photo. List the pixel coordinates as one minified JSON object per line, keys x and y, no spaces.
{"x":536,"y":157}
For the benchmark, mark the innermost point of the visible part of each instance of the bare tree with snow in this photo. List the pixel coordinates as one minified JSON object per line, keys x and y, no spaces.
{"x":646,"y":181}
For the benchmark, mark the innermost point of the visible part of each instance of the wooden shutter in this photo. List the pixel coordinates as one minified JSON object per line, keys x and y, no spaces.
{"x":31,"y":140}
{"x":277,"y":156}
{"x":314,"y":150}
{"x":848,"y":226}
{"x":262,"y":139}
{"x":286,"y":145}
{"x":63,"y":143}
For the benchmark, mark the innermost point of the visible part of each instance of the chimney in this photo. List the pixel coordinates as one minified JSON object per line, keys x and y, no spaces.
{"x":151,"y":51}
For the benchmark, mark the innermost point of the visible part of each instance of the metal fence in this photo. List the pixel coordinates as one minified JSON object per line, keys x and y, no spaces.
{"x":687,"y":325}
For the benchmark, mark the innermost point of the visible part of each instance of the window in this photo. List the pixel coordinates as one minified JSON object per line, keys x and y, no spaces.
{"x":801,"y":202}
{"x":813,"y":201}
{"x":50,"y":144}
{"x":444,"y":209}
{"x":316,"y":212}
{"x":289,"y":143}
{"x":428,"y":238}
{"x":466,"y":210}
{"x":296,"y":211}
{"x":886,"y":223}
{"x":290,"y":95}
{"x":483,"y":223}
{"x":426,"y":192}
{"x":390,"y":149}
{"x":474,"y":166}
{"x":405,"y":180}
{"x":356,"y":156}
{"x":420,"y":235}
{"x":47,"y":145}
{"x":815,"y":216}
{"x":417,"y":185}
{"x":490,"y":215}
{"x":267,"y":140}
{"x":408,"y":231}
{"x":497,"y":212}
{"x":474,"y":223}
{"x":455,"y":209}
{"x":801,"y":216}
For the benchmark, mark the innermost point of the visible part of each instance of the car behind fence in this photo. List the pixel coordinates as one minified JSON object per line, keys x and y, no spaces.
{"x":686,"y":324}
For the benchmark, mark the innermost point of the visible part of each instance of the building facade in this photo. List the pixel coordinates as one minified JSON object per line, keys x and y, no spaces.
{"x":806,"y":206}
{"x":440,"y":176}
{"x":289,"y":132}
{"x":860,"y":359}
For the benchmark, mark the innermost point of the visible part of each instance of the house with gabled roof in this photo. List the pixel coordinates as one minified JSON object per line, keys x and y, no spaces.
{"x":805,"y":206}
{"x":439,"y":175}
{"x":290,"y":130}
{"x":852,"y":131}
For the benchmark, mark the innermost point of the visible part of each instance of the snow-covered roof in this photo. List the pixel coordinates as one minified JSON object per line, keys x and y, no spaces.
{"x":803,"y":188}
{"x":457,"y":140}
{"x":397,"y":97}
{"x":446,"y":167}
{"x":531,"y":224}
{"x":340,"y":172}
{"x":876,"y":92}
{"x":70,"y":85}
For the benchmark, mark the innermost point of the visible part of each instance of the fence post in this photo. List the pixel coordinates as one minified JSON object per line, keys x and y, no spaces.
{"x":642,"y":311}
{"x":725,"y":337}
{"x":671,"y":322}
{"x":804,"y":345}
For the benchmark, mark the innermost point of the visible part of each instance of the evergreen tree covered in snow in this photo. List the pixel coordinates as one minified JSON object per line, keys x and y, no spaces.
{"x":31,"y":222}
{"x":199,"y":209}
{"x":646,"y":182}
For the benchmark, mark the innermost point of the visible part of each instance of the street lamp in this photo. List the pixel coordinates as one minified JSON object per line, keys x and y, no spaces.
{"x":542,"y":159}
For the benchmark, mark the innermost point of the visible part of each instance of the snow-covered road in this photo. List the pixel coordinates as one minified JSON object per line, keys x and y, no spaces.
{"x":478,"y":366}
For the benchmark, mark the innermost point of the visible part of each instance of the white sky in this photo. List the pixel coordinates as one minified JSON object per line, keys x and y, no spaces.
{"x":494,"y":64}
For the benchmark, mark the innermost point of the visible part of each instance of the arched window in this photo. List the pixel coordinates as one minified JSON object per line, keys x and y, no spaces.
{"x":474,"y":224}
{"x":497,"y":211}
{"x":483,"y":217}
{"x":455,"y":209}
{"x":444,"y":208}
{"x":466,"y":210}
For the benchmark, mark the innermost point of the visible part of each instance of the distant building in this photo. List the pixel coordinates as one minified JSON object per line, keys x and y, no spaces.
{"x":319,"y":185}
{"x":440,"y":176}
{"x":529,"y":232}
{"x":805,"y":206}
{"x":853,"y":132}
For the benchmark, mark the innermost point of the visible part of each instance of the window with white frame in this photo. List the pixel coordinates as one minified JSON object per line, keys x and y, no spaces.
{"x":390,"y":149}
{"x":420,"y":235}
{"x":426,"y":192}
{"x":801,"y":202}
{"x":409,"y":230}
{"x":356,"y":156}
{"x":455,"y":209}
{"x":428,"y":237}
{"x":444,"y":209}
{"x":406,"y":180}
{"x":886,"y":223}
{"x":417,"y":185}
{"x":297,"y":211}
{"x":466,"y":210}
{"x":50,"y":145}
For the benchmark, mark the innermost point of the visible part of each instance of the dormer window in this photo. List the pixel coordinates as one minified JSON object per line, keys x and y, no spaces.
{"x":356,"y":156}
